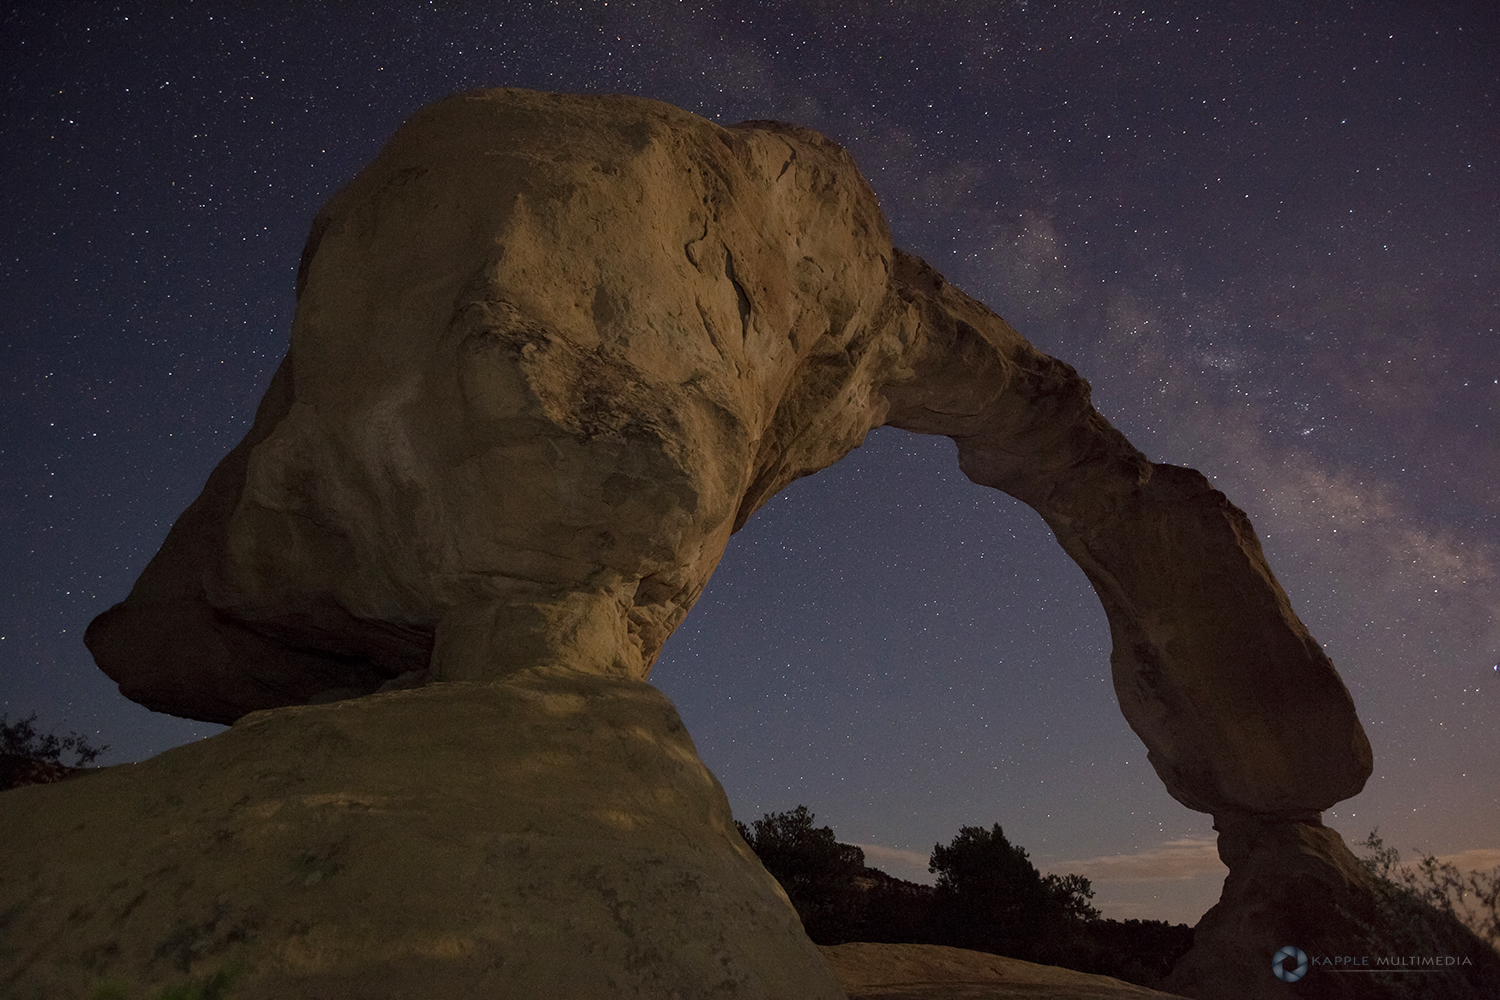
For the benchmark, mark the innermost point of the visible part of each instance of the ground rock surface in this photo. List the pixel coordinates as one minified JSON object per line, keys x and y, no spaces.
{"x":934,"y":972}
{"x":554,"y":835}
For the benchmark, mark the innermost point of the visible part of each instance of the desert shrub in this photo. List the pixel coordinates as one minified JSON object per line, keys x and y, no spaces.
{"x":1469,"y":898}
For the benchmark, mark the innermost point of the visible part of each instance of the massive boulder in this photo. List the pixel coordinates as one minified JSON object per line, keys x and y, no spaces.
{"x":550,"y":351}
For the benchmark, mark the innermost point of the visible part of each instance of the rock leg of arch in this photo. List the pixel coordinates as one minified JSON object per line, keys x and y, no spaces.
{"x":551,"y":351}
{"x":1209,"y":660}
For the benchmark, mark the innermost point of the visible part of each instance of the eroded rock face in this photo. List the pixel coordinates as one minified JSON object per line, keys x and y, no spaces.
{"x":549,"y":352}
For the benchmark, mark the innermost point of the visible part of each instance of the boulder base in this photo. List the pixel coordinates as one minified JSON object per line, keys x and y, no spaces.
{"x":1297,"y":884}
{"x":553,"y":835}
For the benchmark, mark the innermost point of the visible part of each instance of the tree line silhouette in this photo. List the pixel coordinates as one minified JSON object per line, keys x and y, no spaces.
{"x":988,"y":897}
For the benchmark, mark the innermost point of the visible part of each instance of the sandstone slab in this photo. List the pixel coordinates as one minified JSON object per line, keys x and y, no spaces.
{"x":554,"y":835}
{"x":934,"y":972}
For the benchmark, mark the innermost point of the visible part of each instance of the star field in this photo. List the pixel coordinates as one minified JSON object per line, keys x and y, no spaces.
{"x":1269,"y":236}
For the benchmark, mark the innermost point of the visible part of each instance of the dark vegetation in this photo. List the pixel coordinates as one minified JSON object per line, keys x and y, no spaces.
{"x":988,"y":897}
{"x":1436,"y":904}
{"x":29,"y":758}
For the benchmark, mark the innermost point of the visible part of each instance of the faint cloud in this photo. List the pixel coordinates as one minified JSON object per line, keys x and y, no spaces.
{"x":1189,"y":857}
{"x":1480,"y":859}
{"x":911,"y":865}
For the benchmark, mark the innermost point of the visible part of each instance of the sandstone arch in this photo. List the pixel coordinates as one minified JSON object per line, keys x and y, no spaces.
{"x":550,"y":351}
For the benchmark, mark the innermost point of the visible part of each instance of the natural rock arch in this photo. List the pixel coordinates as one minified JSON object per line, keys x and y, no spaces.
{"x":551,"y":351}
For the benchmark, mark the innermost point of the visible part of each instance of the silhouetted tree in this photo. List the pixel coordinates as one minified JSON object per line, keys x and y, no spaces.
{"x":817,"y":872}
{"x":892,"y":910}
{"x":990,"y":897}
{"x":28,"y":758}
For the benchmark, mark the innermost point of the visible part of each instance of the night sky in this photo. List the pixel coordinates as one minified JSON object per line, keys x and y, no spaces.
{"x":1268,"y":234}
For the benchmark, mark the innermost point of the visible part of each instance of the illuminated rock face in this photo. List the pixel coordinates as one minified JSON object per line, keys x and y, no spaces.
{"x":549,"y":835}
{"x":551,"y":351}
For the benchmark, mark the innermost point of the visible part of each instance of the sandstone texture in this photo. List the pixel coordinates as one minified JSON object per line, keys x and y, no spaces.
{"x":935,"y":972}
{"x":546,"y":836}
{"x":548,"y":352}
{"x":551,"y":351}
